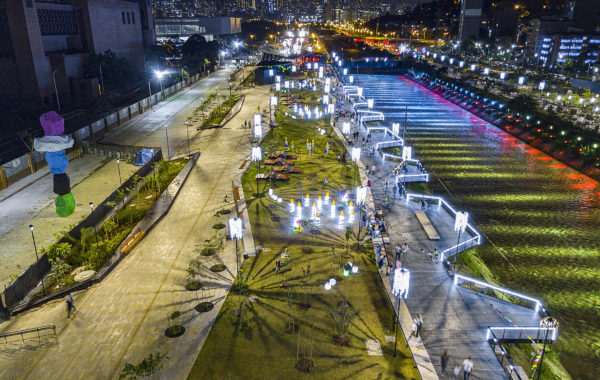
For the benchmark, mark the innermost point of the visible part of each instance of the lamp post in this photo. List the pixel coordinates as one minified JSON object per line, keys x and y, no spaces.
{"x":256,"y":157}
{"x":95,"y":232}
{"x":401,"y":284}
{"x":37,"y":259}
{"x":159,"y":75}
{"x":167,"y":136}
{"x":229,"y":91}
{"x":460,"y":223}
{"x":119,"y":170}
{"x":548,"y":323}
{"x":236,"y":233}
{"x":55,"y":89}
{"x":187,"y":129}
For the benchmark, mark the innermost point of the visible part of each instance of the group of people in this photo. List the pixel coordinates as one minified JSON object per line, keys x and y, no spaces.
{"x":466,"y":367}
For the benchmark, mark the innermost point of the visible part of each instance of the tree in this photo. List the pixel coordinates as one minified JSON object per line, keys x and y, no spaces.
{"x":117,"y":73}
{"x":145,"y":368}
{"x":57,"y":257}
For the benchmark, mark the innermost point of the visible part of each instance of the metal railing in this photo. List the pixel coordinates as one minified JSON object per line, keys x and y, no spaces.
{"x":525,"y":334}
{"x":26,"y":337}
{"x":465,"y":279}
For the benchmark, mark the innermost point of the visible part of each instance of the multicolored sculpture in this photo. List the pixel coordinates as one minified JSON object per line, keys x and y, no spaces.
{"x":55,"y":143}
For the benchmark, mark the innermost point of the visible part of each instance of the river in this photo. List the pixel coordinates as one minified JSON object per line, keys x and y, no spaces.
{"x":541,"y":219}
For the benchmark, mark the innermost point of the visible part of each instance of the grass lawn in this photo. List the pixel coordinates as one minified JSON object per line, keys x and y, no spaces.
{"x":256,"y":346}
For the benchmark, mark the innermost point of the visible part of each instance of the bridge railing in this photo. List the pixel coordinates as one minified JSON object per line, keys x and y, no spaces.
{"x":460,"y":279}
{"x":521,"y":334}
{"x":26,"y":338}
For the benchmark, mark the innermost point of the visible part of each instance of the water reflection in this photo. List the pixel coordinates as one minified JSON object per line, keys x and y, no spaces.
{"x":541,"y":215}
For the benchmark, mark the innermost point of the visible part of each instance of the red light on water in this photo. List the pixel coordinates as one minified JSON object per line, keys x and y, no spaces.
{"x":539,"y":130}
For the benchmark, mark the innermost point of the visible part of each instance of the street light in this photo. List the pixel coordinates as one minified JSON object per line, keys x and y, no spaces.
{"x":167,"y":135}
{"x":56,"y":90}
{"x":236,"y":233}
{"x":37,"y":259}
{"x":256,"y":157}
{"x":95,"y":232}
{"x":187,"y":130}
{"x":119,"y":170}
{"x":159,"y":75}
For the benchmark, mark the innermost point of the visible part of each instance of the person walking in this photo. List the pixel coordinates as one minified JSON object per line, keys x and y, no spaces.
{"x":413,"y":328}
{"x":404,"y":250}
{"x":70,"y":306}
{"x":456,"y":372}
{"x":419,"y":321}
{"x":277,"y":266}
{"x":467,"y":367}
{"x":325,"y":181}
{"x":444,"y":362}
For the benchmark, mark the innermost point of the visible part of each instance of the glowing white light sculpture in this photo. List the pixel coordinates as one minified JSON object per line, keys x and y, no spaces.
{"x":320,"y":72}
{"x":370,"y":103}
{"x":277,"y":86}
{"x":502,"y":75}
{"x":306,"y":201}
{"x":341,"y":220}
{"x":396,"y":128}
{"x":331,"y":108}
{"x":351,"y":79}
{"x":521,"y":81}
{"x":271,"y":72}
{"x":346,"y":128}
{"x":359,"y":91}
{"x":461,"y":64}
{"x":345,"y":71}
{"x":327,"y":81}
{"x":319,"y":204}
{"x":294,"y":68}
{"x":326,"y":89}
{"x":292,"y":206}
{"x":332,"y":209}
{"x":401,"y":282}
{"x":486,"y":71}
{"x":286,"y":84}
{"x":298,"y":210}
{"x":461,"y":220}
{"x":235,"y":228}
{"x":355,"y":154}
{"x":309,"y":66}
{"x":257,"y":126}
{"x":325,"y":99}
{"x":278,"y":79}
{"x":327,"y":197}
{"x":473,"y":67}
{"x":541,"y":86}
{"x":274,"y":100}
{"x":361,"y":195}
{"x":354,"y":269}
{"x":406,"y":153}
{"x":256,"y":154}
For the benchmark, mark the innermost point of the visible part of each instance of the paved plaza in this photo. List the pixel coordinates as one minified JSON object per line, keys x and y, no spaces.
{"x":123,"y":318}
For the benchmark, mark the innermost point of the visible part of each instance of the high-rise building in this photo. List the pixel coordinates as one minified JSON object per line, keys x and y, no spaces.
{"x":470,"y":19}
{"x":45,"y":45}
{"x":585,"y":14}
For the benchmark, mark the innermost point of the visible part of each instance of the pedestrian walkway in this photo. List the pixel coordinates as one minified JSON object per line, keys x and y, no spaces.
{"x":123,"y":318}
{"x":455,"y":318}
{"x":31,"y":202}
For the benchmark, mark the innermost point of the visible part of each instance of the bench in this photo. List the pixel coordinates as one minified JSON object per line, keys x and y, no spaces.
{"x":427,"y":226}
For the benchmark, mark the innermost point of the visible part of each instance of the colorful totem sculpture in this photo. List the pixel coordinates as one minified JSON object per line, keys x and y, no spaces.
{"x":55,"y":143}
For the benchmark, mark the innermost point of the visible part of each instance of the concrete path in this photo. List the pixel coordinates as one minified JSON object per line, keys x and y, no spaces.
{"x":123,"y":318}
{"x":93,"y":178}
{"x":455,"y":318}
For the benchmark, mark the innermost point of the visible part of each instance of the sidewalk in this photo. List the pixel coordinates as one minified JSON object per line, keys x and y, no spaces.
{"x":93,"y":178}
{"x":122,"y":319}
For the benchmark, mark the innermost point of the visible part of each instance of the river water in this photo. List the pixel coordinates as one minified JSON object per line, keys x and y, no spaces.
{"x":541,"y":218}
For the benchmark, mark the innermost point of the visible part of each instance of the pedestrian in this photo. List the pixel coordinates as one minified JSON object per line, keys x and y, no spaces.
{"x":277,"y":266}
{"x":70,"y":306}
{"x":413,"y":328}
{"x":457,"y":369}
{"x":367,"y":169}
{"x":444,"y":361}
{"x":387,"y":184}
{"x":467,"y":367}
{"x":422,"y":204}
{"x":398,"y":252}
{"x":325,"y":181}
{"x":419,"y":321}
{"x":339,"y":158}
{"x":404,"y":250}
{"x":369,"y":182}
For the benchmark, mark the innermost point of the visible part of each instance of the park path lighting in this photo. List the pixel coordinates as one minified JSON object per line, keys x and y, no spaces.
{"x":345,"y":71}
{"x":400,"y":287}
{"x":486,"y":71}
{"x":351,"y":79}
{"x":256,"y":157}
{"x":541,"y":86}
{"x":359,"y":91}
{"x":406,"y":153}
{"x":502,"y":75}
{"x":37,"y":259}
{"x":119,"y":170}
{"x":95,"y":232}
{"x":332,"y":212}
{"x":236,"y":233}
{"x":167,"y":137}
{"x":257,"y":126}
{"x":460,"y":223}
{"x":461,"y":64}
{"x":370,"y":103}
